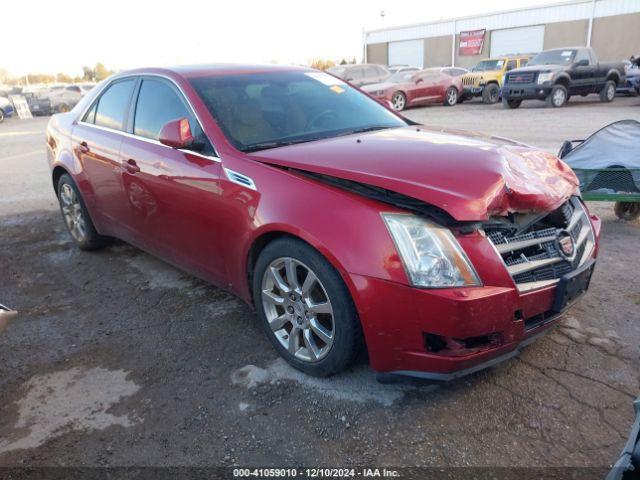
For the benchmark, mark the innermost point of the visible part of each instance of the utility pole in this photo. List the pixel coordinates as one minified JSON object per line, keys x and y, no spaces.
{"x":593,"y":14}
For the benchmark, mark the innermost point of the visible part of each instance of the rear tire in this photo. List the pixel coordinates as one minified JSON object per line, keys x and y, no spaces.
{"x":608,"y":92}
{"x":558,"y":96}
{"x":627,"y":211}
{"x":451,"y":97}
{"x":283,"y":307}
{"x":511,"y":103}
{"x":76,"y":216}
{"x":491,"y":94}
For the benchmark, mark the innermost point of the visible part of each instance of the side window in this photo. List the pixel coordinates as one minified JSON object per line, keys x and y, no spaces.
{"x":381,"y":71}
{"x":511,"y":65}
{"x":113,"y":105}
{"x":355,"y":73}
{"x":582,"y":55}
{"x":158,"y":104}
{"x":523,"y":61}
{"x":90,"y":116}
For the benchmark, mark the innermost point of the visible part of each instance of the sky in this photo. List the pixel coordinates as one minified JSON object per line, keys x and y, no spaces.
{"x":64,"y":35}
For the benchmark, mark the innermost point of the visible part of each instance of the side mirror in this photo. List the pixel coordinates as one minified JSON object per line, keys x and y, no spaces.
{"x":176,"y":134}
{"x":583,"y":63}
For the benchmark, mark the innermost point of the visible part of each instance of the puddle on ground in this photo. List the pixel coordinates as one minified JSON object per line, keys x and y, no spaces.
{"x":74,"y":399}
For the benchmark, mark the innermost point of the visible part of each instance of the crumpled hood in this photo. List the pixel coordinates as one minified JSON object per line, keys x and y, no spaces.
{"x":470,"y":176}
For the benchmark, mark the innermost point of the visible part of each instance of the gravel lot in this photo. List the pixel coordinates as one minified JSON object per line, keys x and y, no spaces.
{"x":119,"y":359}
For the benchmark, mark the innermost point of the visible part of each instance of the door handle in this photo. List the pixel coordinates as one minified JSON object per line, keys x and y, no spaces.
{"x":84,"y":148}
{"x":131,"y":166}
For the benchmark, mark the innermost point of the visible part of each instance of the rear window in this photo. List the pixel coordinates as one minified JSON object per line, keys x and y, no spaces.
{"x":113,"y":105}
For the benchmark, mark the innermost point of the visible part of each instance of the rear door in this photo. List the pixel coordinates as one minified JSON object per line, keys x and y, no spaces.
{"x":174,"y":194}
{"x":97,"y":138}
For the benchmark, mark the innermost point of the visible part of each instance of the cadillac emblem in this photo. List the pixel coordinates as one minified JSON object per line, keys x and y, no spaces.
{"x":566,"y":245}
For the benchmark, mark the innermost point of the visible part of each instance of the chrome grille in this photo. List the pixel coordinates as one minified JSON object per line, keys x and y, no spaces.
{"x":470,"y":81}
{"x":532,"y":257}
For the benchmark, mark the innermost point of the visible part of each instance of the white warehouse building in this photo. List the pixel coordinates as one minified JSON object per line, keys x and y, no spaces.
{"x":611,"y":27}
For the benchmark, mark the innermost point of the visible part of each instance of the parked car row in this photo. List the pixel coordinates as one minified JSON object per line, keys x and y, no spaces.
{"x":44,"y":100}
{"x":552,"y":76}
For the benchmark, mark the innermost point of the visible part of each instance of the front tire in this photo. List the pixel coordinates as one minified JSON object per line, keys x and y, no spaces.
{"x":558,"y":96}
{"x":451,"y":97}
{"x":76,"y":216}
{"x":608,"y":92}
{"x":627,"y":211}
{"x":491,"y":94}
{"x":511,"y":103}
{"x":305,"y":308}
{"x":399,"y":101}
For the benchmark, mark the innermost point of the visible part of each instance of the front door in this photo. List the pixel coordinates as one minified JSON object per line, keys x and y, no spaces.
{"x":173,"y":194}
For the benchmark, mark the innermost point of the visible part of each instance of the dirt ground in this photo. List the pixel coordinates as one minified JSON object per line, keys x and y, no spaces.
{"x":118,"y":359}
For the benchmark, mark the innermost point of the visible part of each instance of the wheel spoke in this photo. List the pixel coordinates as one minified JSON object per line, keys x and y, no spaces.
{"x":274,"y":273}
{"x":294,"y":340}
{"x":310,"y":343}
{"x":322,"y":333}
{"x":292,"y":276}
{"x":309,"y":282}
{"x":322,"y":307}
{"x":278,"y":323}
{"x":271,"y":297}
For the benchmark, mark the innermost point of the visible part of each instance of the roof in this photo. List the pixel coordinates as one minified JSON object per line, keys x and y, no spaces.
{"x":190,"y":71}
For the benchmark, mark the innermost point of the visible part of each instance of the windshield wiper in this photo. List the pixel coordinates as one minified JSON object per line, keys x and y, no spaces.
{"x":254,"y":147}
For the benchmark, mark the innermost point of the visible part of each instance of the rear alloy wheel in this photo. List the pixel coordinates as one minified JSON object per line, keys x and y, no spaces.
{"x":558,"y":96}
{"x":511,"y":103}
{"x":491,"y":94}
{"x":398,"y":101}
{"x":451,"y":97}
{"x":608,"y":92}
{"x":627,"y":211}
{"x":305,"y":308}
{"x":76,"y":217}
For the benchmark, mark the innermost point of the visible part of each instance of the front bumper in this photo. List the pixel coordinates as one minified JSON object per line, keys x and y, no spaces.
{"x":443,"y":334}
{"x":472,"y":91}
{"x":526,"y":91}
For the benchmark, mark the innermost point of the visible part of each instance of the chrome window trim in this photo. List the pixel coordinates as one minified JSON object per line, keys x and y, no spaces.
{"x":149,"y":140}
{"x":138,"y":76}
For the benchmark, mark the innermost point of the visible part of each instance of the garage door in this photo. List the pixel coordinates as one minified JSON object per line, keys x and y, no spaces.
{"x":409,"y":52}
{"x":517,"y":40}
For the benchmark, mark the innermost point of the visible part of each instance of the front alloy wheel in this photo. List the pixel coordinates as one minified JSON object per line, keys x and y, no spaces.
{"x":298,"y":309}
{"x":305,"y":308}
{"x":451,"y":97}
{"x":398,"y":101}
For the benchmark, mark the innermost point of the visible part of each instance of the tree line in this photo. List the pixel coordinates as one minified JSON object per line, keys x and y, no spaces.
{"x":89,"y":74}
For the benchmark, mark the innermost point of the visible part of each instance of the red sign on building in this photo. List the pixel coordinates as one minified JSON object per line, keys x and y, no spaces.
{"x":471,"y":42}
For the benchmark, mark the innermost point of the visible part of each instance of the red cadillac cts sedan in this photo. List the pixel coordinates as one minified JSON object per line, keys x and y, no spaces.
{"x":346,"y":225}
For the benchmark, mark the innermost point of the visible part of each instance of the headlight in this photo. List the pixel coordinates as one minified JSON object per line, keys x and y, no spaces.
{"x":544,"y":77}
{"x":431,"y":255}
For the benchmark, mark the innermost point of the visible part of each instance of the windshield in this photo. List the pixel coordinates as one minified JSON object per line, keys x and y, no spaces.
{"x":554,"y":57}
{"x":401,"y":77}
{"x":268,"y":110}
{"x":487,"y":65}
